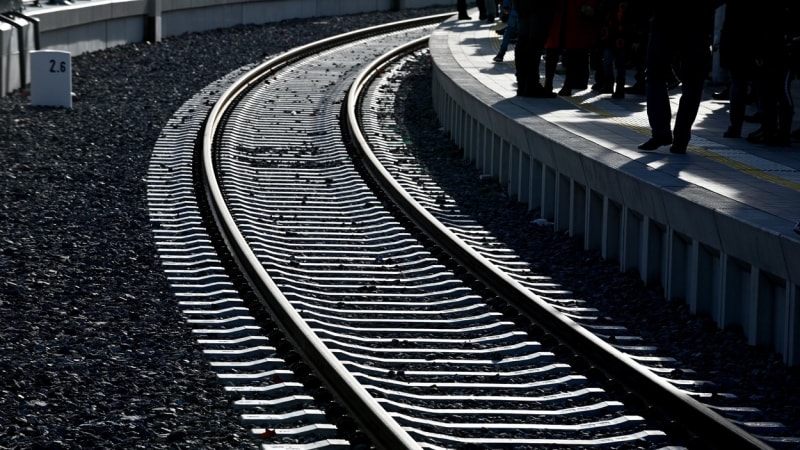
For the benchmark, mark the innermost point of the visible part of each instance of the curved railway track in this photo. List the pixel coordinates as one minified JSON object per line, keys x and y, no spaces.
{"x":372,"y":291}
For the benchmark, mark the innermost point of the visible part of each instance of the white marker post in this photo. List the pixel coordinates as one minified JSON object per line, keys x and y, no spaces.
{"x":51,"y":78}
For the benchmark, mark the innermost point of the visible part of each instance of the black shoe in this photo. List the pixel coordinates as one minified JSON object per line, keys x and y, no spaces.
{"x":732,"y":133}
{"x":654,"y":143}
{"x":463,"y":17}
{"x":497,"y":58}
{"x":771,"y":139}
{"x":778,"y":140}
{"x":537,"y":91}
{"x":489,"y":19}
{"x":756,"y":137}
{"x":724,"y":94}
{"x":678,"y":149}
{"x":619,"y":93}
{"x":565,"y":92}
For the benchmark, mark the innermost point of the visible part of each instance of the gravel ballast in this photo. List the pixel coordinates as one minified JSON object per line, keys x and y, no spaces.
{"x":95,"y":352}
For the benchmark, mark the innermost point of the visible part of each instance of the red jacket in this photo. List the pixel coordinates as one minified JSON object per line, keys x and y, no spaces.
{"x":576,"y":19}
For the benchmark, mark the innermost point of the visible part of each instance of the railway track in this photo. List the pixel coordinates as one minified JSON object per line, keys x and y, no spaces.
{"x":372,"y":323}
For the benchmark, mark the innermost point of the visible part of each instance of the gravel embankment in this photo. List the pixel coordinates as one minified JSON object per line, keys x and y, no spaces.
{"x":95,"y":353}
{"x":94,"y":350}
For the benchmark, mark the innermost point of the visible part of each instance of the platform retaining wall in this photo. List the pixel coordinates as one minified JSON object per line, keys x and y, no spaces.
{"x":721,"y":257}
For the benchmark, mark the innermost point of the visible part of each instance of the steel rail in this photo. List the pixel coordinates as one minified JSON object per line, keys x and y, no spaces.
{"x":374,"y":420}
{"x":700,"y":420}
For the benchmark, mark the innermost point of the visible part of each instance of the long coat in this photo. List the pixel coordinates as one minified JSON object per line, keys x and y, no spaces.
{"x":574,"y":25}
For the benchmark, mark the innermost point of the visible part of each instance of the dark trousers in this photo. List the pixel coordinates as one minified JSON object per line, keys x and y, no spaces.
{"x":534,"y":26}
{"x":694,"y":58}
{"x":614,"y":67}
{"x":740,"y":80}
{"x":777,"y":105}
{"x":461,"y":6}
{"x":576,"y":62}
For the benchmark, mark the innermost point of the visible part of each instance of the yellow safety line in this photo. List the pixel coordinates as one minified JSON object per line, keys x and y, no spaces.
{"x":738,"y":165}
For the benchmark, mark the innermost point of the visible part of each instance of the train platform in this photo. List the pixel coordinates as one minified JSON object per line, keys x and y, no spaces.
{"x":715,"y":227}
{"x":763,"y":177}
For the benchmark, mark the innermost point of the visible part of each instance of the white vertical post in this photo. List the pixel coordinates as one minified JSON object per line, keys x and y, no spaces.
{"x":154,"y":10}
{"x":51,"y":78}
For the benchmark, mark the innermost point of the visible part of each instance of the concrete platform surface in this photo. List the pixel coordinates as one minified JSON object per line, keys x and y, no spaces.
{"x":765,"y":178}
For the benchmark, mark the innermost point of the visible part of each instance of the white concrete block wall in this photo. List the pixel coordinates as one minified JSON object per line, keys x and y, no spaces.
{"x":8,"y":41}
{"x":100,"y":24}
{"x":17,"y":39}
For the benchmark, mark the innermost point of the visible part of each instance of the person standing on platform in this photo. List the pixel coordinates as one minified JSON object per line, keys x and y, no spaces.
{"x":461,"y":6}
{"x":509,"y":32}
{"x":573,"y":34}
{"x":741,"y":40}
{"x":774,"y":77}
{"x":615,"y":29}
{"x":639,"y":13}
{"x":794,"y":55}
{"x":679,"y":29}
{"x":534,"y":19}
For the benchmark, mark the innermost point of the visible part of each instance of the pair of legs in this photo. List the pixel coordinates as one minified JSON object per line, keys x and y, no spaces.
{"x":511,"y":29}
{"x":461,"y":6}
{"x":614,"y":66}
{"x":534,"y":20}
{"x":694,"y":59}
{"x":738,"y":101}
{"x":576,"y":61}
{"x":775,"y":87}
